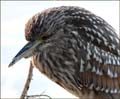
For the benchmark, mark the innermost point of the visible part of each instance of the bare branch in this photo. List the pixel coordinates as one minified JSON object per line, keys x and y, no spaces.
{"x":27,"y":84}
{"x":38,"y":96}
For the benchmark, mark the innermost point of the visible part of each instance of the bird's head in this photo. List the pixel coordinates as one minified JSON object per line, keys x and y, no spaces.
{"x":38,"y":29}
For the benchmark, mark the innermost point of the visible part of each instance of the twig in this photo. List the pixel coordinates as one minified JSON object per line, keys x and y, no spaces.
{"x":27,"y":84}
{"x":38,"y":96}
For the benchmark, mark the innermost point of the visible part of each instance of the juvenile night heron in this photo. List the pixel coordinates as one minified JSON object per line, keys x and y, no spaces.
{"x":76,"y":49}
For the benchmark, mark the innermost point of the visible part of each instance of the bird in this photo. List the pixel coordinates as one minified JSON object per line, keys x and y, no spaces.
{"x":76,"y":49}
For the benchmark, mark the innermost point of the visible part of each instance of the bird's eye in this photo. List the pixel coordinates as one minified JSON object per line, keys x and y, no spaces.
{"x":43,"y":38}
{"x":46,"y":37}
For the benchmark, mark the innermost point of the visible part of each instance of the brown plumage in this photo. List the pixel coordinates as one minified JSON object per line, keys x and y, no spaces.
{"x":76,"y":49}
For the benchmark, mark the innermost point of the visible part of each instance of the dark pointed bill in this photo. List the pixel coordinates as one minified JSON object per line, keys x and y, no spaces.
{"x":25,"y":52}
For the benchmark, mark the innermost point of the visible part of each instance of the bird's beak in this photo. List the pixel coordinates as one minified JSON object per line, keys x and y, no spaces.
{"x":25,"y":52}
